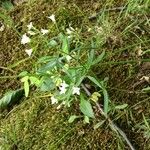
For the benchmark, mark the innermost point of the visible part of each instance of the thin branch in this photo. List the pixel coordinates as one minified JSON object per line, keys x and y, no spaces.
{"x":101,"y":11}
{"x":5,"y":68}
{"x":112,"y":124}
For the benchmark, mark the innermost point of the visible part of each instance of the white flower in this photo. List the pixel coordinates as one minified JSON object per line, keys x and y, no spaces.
{"x":69,"y":31}
{"x":68,"y":58}
{"x":2,"y":28}
{"x":31,"y":32}
{"x":52,"y":17}
{"x":76,"y":90}
{"x":44,"y":31}
{"x":62,"y":90}
{"x":145,"y":78}
{"x":29,"y":51}
{"x":25,"y":39}
{"x":63,"y":87}
{"x":54,"y":100}
{"x":59,"y":106}
{"x":30,"y":26}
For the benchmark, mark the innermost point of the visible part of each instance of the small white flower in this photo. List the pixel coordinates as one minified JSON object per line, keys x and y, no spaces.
{"x":29,"y":51}
{"x":62,"y":90}
{"x":31,"y":32}
{"x":69,"y":31}
{"x":59,"y":106}
{"x":52,"y":17}
{"x":54,"y":100}
{"x":69,"y":36}
{"x":44,"y":31}
{"x":25,"y":39}
{"x":63,"y":87}
{"x":2,"y":28}
{"x":68,"y":58}
{"x":89,"y":29}
{"x":76,"y":90}
{"x":30,"y":26}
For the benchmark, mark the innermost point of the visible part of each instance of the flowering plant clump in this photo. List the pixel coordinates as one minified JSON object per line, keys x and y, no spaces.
{"x":63,"y":74}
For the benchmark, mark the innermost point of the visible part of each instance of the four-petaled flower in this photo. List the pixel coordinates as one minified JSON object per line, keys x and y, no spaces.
{"x":76,"y":90}
{"x":52,"y":17}
{"x":54,"y":100}
{"x":44,"y":31}
{"x":29,"y":51}
{"x":63,"y":87}
{"x":25,"y":39}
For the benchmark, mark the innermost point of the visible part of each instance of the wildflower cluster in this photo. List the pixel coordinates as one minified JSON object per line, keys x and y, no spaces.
{"x":61,"y":74}
{"x":33,"y":31}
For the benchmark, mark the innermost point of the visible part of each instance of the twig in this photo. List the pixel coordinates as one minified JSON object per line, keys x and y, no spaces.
{"x":5,"y":68}
{"x":109,"y":9}
{"x":112,"y":124}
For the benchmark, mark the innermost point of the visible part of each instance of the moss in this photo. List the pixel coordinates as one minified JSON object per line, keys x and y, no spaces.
{"x":35,"y":124}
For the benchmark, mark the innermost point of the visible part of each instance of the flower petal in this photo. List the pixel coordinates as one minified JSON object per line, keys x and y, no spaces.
{"x":76,"y":90}
{"x":25,"y":39}
{"x":29,"y":52}
{"x":52,"y":17}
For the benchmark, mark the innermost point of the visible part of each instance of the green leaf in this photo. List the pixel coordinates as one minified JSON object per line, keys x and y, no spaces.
{"x":99,"y":58}
{"x":49,"y":66}
{"x":26,"y":88}
{"x":65,"y":44}
{"x":106,"y":101}
{"x":95,"y":81}
{"x":86,"y":107}
{"x":52,"y":43}
{"x":105,"y":93}
{"x":25,"y":80}
{"x":7,"y":5}
{"x":99,"y":124}
{"x":91,"y":56}
{"x":146,"y":89}
{"x":86,"y":119}
{"x":35,"y":81}
{"x":95,"y":96}
{"x":46,"y":84}
{"x":121,"y":106}
{"x":72,"y":118}
{"x":45,"y":59}
{"x":23,"y":73}
{"x":10,"y":98}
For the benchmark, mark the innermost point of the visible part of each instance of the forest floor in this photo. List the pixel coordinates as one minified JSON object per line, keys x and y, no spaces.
{"x":121,"y":28}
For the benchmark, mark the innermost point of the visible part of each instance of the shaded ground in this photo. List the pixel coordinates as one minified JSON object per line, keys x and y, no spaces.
{"x":35,"y":124}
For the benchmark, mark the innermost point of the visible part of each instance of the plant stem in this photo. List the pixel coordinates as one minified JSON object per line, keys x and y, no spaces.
{"x":111,"y":123}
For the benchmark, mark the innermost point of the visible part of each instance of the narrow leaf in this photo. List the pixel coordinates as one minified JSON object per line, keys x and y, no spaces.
{"x":35,"y":81}
{"x":72,"y":118}
{"x":65,"y":44}
{"x":106,"y":98}
{"x":99,"y":58}
{"x":121,"y":106}
{"x":95,"y":81}
{"x":106,"y":101}
{"x":10,"y":98}
{"x":86,"y":107}
{"x":86,"y":119}
{"x":99,"y":125}
{"x":26,"y":88}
